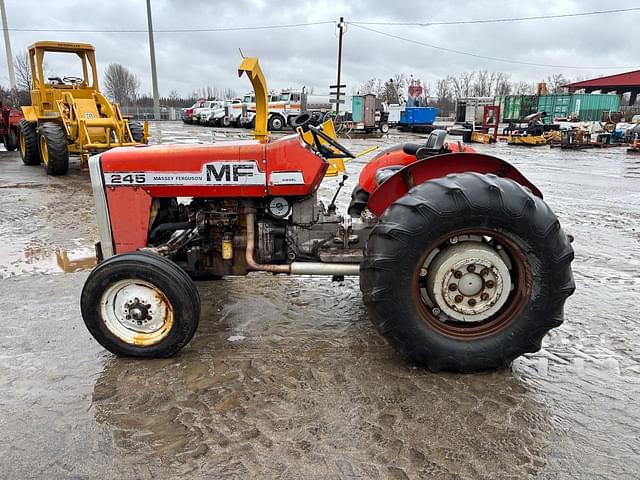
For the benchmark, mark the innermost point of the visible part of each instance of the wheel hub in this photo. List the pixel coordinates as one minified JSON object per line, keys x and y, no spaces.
{"x":469,"y":281}
{"x":136,"y":311}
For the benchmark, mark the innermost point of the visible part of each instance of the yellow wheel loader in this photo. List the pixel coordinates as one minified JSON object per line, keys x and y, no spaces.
{"x":68,"y":114}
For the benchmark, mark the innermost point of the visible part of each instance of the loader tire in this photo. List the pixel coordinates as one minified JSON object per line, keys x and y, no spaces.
{"x":54,"y":149}
{"x":159,"y":298}
{"x":28,"y":143}
{"x":466,"y":273}
{"x":137,"y":131}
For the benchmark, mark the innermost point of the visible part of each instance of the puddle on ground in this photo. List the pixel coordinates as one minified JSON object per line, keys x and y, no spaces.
{"x":34,"y":257}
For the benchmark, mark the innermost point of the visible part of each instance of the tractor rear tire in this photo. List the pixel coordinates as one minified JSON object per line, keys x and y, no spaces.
{"x":140,"y":305}
{"x":28,"y":143}
{"x":427,"y":265}
{"x":54,"y":149}
{"x":137,"y":131}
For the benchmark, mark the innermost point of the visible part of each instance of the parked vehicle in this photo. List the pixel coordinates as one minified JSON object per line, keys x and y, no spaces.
{"x":465,"y":266}
{"x":199,"y":113}
{"x":10,"y":127}
{"x":69,"y":114}
{"x":187,"y":114}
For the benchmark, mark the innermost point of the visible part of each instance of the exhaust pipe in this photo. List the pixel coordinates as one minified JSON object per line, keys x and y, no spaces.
{"x":295,"y":268}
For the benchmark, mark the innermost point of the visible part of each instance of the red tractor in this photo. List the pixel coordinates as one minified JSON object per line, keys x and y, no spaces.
{"x":9,"y":120}
{"x":462,"y":265}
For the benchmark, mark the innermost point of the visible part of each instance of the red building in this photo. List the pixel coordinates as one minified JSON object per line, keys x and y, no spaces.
{"x":620,"y":83}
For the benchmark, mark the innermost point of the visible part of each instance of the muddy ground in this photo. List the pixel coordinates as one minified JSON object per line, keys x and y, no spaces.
{"x":286,"y":377}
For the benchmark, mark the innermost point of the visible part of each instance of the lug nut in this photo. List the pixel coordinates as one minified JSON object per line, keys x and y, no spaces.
{"x":484,"y":272}
{"x":436,"y":311}
{"x":453,"y":287}
{"x":458,"y":299}
{"x":457,"y":274}
{"x":472,"y":302}
{"x":484,"y":297}
{"x":423,"y":272}
{"x":490,"y":284}
{"x":471,"y":268}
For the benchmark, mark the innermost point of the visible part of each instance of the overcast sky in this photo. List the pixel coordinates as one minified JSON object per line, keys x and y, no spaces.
{"x":293,"y":57}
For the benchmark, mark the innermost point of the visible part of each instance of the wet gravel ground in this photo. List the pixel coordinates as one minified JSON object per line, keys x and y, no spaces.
{"x":286,"y":377}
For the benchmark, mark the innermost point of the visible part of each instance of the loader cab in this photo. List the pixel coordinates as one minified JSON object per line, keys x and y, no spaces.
{"x":58,"y":67}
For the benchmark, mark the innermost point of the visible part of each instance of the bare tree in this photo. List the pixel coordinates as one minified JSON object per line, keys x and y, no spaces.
{"x":555,"y":83}
{"x":481,"y":86}
{"x":120,"y":84}
{"x":523,"y":88}
{"x":373,"y":85}
{"x":23,"y":71}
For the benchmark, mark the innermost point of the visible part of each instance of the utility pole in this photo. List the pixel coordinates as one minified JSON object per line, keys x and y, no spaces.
{"x":7,"y":46}
{"x":154,"y":74}
{"x":341,"y":26}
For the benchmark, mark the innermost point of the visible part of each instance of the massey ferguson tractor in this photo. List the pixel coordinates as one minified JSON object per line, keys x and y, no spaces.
{"x":462,"y":265}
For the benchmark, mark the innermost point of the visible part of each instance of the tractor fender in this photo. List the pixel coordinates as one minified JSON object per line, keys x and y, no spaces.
{"x":439,"y":166}
{"x":30,"y":114}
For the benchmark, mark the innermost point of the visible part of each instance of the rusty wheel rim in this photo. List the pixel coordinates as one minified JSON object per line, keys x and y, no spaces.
{"x":136,"y":312}
{"x":435,"y":313}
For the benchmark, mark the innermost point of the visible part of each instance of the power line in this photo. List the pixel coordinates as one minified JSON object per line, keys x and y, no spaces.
{"x":486,"y":57}
{"x":499,"y":20}
{"x":172,"y":30}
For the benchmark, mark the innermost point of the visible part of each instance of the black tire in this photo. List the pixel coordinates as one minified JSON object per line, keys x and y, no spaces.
{"x":426,"y":218}
{"x":225,"y":122}
{"x":28,"y":143}
{"x":384,"y":127}
{"x":54,"y":150}
{"x":10,"y":140}
{"x":276,"y":123}
{"x":168,"y":278}
{"x":137,"y":131}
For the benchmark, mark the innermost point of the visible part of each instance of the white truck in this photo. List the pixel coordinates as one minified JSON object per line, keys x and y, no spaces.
{"x":287,"y":105}
{"x":206,"y":108}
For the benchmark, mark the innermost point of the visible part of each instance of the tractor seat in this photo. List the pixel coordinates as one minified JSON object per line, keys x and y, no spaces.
{"x":433,"y":146}
{"x":411,"y":148}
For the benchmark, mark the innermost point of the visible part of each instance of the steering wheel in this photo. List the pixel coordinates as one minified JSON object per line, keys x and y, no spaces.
{"x":58,"y":80}
{"x":73,"y":80}
{"x":317,"y":132}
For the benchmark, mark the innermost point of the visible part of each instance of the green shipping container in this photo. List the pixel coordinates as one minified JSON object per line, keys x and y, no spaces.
{"x":589,"y":107}
{"x":515,"y":107}
{"x":558,"y":105}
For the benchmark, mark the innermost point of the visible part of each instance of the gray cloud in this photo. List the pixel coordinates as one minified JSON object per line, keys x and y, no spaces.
{"x":307,"y":55}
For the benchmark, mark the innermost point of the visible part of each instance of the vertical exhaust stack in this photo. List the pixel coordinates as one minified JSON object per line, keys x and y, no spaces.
{"x":252,"y":68}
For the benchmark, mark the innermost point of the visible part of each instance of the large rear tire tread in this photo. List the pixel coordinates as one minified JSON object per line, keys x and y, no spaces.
{"x":28,"y":140}
{"x":430,"y":211}
{"x":166,"y":275}
{"x":55,"y":137}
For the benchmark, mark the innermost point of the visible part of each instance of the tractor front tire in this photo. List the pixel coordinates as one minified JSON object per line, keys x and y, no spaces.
{"x":28,"y":143}
{"x":467,"y":272}
{"x":137,"y":131}
{"x":140,"y":305}
{"x":54,"y":149}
